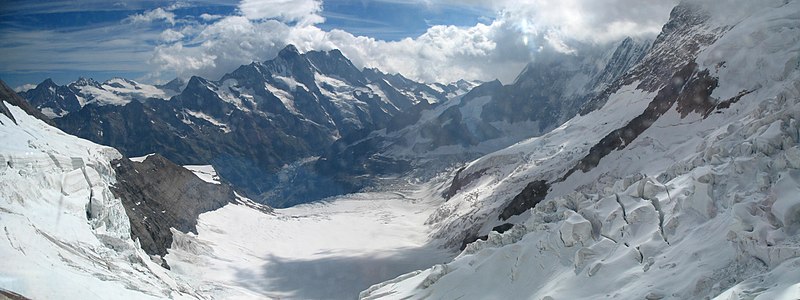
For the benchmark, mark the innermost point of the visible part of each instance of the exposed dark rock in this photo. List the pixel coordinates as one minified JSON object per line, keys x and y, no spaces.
{"x":471,"y":238}
{"x":727,"y":103}
{"x":6,"y":294}
{"x":8,"y":95}
{"x":459,"y":181}
{"x":176,"y":85}
{"x":678,"y":43}
{"x":503,"y":228}
{"x":59,"y":99}
{"x":687,"y":86}
{"x":696,"y":95}
{"x":158,"y":195}
{"x":249,"y":131}
{"x":532,"y":194}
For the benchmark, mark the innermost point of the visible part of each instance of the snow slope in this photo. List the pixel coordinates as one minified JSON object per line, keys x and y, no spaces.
{"x":326,"y":250}
{"x":702,"y":204}
{"x":64,"y":234}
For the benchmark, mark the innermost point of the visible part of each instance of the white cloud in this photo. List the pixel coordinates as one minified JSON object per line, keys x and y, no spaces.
{"x":153,"y":15}
{"x":170,"y":35}
{"x":499,"y":49}
{"x":304,"y":12}
{"x":209,"y":17}
{"x":24,"y":87}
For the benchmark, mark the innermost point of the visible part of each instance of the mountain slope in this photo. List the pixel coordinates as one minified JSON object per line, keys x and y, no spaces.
{"x":57,"y":101}
{"x":680,"y":181}
{"x":258,"y":118}
{"x":66,"y":235}
{"x":425,"y":141}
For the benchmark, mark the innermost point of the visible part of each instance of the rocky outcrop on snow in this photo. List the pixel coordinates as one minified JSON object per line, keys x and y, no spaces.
{"x":693,"y":197}
{"x":65,"y":234}
{"x":160,"y":196}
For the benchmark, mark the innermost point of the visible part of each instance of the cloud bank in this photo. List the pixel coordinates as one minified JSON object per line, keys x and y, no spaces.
{"x":498,"y":49}
{"x":209,"y":44}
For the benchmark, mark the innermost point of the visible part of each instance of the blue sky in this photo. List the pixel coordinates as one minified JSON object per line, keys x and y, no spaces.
{"x":384,"y":20}
{"x":428,"y":40}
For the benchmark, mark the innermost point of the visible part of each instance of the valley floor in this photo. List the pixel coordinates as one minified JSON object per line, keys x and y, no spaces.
{"x":328,"y":250}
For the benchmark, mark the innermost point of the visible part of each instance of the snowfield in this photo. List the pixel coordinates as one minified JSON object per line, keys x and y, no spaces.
{"x":327,"y":250}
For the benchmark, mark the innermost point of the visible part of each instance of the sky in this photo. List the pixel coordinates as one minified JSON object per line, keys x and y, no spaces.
{"x":154,"y":41}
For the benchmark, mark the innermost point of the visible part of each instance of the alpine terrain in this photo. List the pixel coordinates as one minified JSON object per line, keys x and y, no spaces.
{"x":642,"y":168}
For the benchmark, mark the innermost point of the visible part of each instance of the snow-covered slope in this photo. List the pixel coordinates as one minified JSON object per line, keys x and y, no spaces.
{"x":683,"y":183}
{"x":65,"y":236}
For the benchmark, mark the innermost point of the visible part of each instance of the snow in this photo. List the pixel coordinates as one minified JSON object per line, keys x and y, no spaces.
{"x":205,"y":172}
{"x":226,"y":92}
{"x":285,"y":97}
{"x":47,"y":111}
{"x":50,"y":182}
{"x":141,"y":158}
{"x":290,"y":82}
{"x":134,"y":89}
{"x":200,"y":115}
{"x":118,"y":91}
{"x":693,"y":208}
{"x":327,"y":250}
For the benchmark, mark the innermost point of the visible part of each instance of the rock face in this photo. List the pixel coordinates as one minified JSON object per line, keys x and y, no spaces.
{"x":159,"y":195}
{"x":490,"y":117}
{"x":258,"y":118}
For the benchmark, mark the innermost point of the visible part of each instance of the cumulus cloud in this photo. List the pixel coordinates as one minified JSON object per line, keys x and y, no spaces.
{"x":209,"y":17}
{"x":170,"y":35}
{"x":500,"y":49}
{"x":153,"y":15}
{"x":304,"y":12}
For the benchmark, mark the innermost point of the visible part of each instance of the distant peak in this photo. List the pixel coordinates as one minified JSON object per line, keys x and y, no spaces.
{"x":289,"y":50}
{"x":85,"y":81}
{"x":48,"y":82}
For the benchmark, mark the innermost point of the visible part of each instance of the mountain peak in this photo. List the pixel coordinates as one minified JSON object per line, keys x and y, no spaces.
{"x":47,"y":82}
{"x":288,"y":51}
{"x":83,"y":81}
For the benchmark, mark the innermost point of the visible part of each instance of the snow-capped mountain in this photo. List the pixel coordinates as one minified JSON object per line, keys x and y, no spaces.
{"x":256,"y":119}
{"x":81,"y":221}
{"x":57,"y":101}
{"x":426,"y":140}
{"x":679,"y":181}
{"x":62,"y":223}
{"x":676,"y":177}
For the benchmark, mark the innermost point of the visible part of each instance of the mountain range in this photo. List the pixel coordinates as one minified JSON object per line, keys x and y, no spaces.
{"x":641,"y":169}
